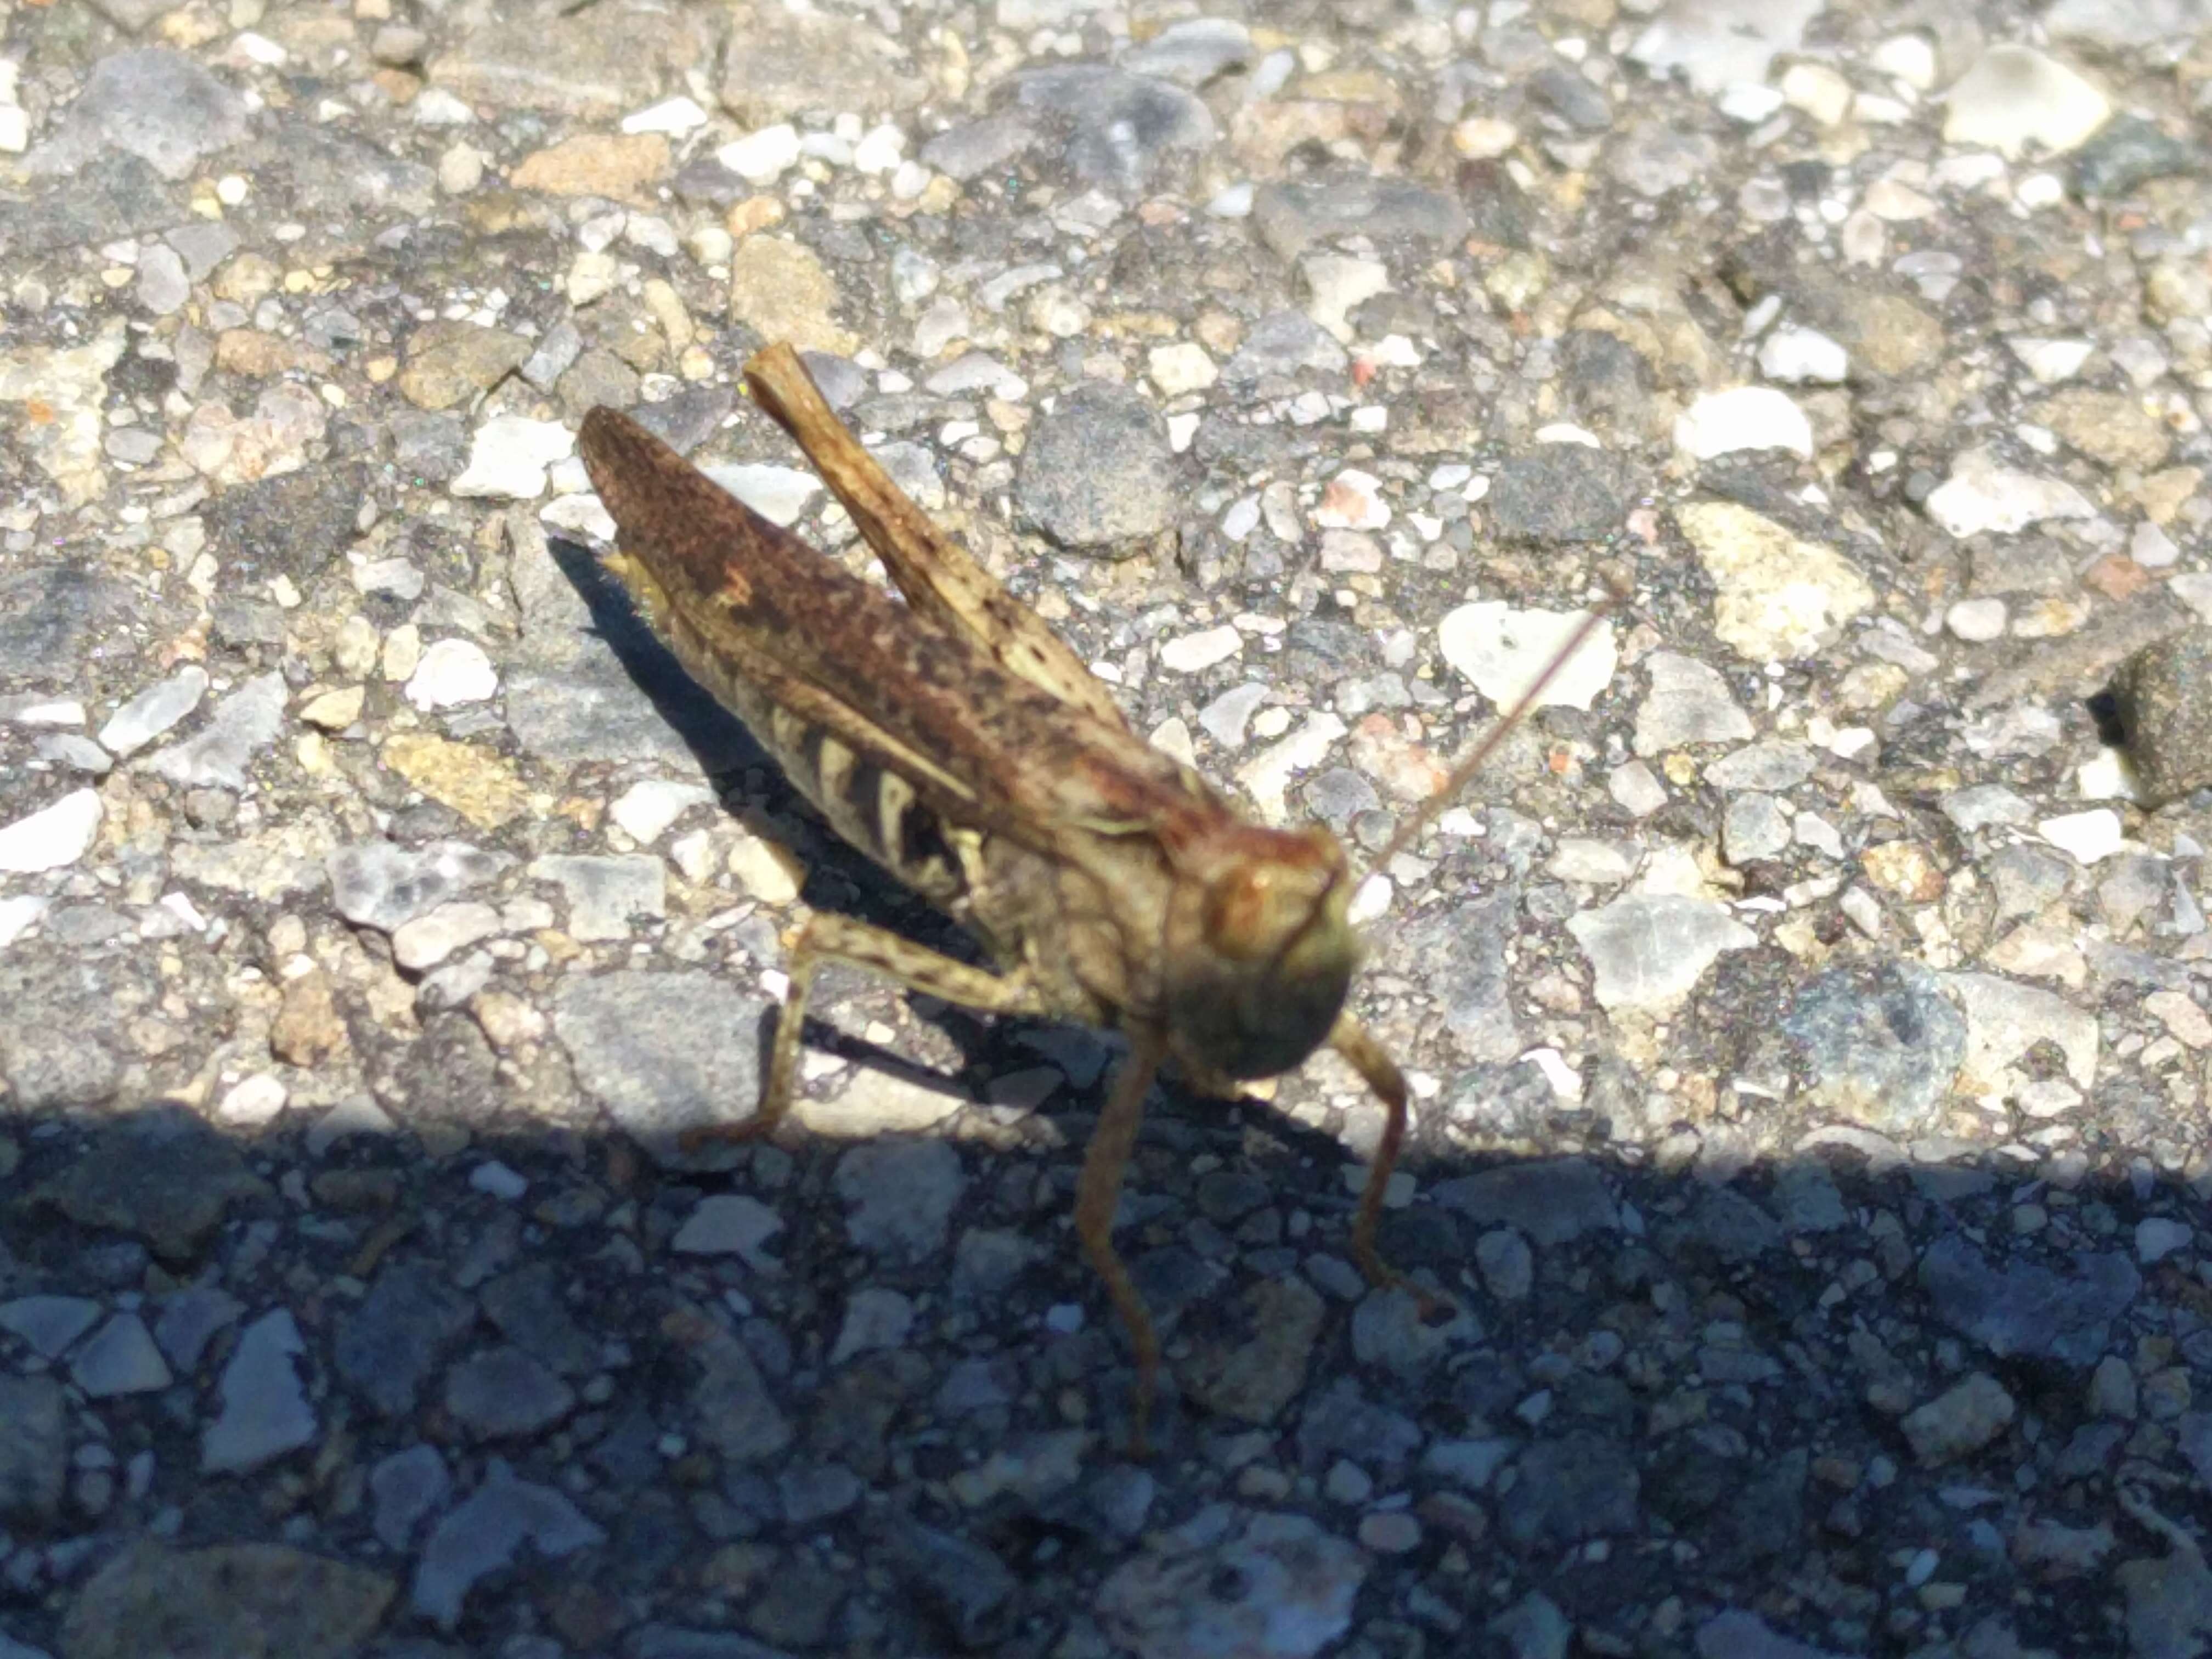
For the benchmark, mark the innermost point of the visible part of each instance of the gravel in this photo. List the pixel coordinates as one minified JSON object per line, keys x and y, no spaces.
{"x":1805,"y":1015}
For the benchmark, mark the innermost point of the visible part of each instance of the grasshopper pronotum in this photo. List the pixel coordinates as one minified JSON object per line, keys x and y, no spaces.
{"x":959,"y":742}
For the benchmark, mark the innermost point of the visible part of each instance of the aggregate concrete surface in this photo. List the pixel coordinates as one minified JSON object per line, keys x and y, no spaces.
{"x":1807,"y":1011}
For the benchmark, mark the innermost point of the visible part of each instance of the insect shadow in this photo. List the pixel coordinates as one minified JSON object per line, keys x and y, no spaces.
{"x":838,"y":877}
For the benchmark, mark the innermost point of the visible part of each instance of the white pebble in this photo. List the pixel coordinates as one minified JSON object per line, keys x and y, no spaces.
{"x":672,"y":116}
{"x":253,"y":1102}
{"x":54,"y":837}
{"x":1196,"y":652}
{"x":881,"y":151}
{"x":1797,"y":354}
{"x":1745,"y":417}
{"x":509,"y":457}
{"x":1975,"y":621}
{"x":758,"y":157}
{"x":451,"y":673}
{"x":2088,"y":835}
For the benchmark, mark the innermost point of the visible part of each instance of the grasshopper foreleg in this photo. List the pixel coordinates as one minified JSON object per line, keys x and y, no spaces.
{"x":1097,"y":1193}
{"x":828,"y":937}
{"x":1381,"y":1073}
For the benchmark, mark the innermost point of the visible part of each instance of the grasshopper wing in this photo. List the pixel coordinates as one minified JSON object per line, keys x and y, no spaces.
{"x":940,"y":579}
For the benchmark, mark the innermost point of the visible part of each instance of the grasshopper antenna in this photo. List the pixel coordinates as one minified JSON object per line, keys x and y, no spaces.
{"x":1477,"y":757}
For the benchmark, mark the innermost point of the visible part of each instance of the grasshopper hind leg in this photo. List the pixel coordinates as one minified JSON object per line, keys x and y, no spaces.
{"x":826,"y":938}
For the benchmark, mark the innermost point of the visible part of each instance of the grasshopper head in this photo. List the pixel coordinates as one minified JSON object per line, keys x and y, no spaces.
{"x":1261,"y":948}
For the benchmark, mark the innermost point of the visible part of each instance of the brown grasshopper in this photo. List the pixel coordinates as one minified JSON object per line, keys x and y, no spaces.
{"x":959,"y":743}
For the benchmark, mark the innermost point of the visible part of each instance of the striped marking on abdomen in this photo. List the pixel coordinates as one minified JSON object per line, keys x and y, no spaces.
{"x":868,"y":804}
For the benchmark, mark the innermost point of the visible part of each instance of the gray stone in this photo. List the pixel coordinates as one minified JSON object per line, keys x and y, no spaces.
{"x":1467,"y":1463}
{"x":407,"y":1488}
{"x":1733,"y":1227}
{"x":731,"y":1401}
{"x":1237,"y":1583}
{"x":975,"y":147}
{"x":333,"y":173}
{"x":380,"y":885}
{"x":1098,"y":473}
{"x":578,"y":701}
{"x":150,"y":102}
{"x":813,"y":1494}
{"x":265,"y":1413}
{"x":234,"y":1599}
{"x":120,"y":1359}
{"x":1807,"y":1199}
{"x":133,"y":15}
{"x":730,"y":1223}
{"x":665,"y":1052}
{"x":60,"y":1047}
{"x":1461,"y":953}
{"x":530,"y":1312}
{"x":778,"y":63}
{"x":1250,"y":1367}
{"x":112,"y":195}
{"x":1735,"y":1634}
{"x":1560,"y":495}
{"x":1533,"y":1628}
{"x":2024,"y":1310}
{"x":155,"y":710}
{"x":1554,"y":1201}
{"x":1878,"y":1042}
{"x":1291,"y":215}
{"x":1508,"y":1265}
{"x":900,"y":1196}
{"x":1577,"y":1486}
{"x":1284,"y":343}
{"x":2165,"y":698}
{"x":244,"y":724}
{"x":1123,"y":129}
{"x":2169,"y":1597}
{"x":2130,"y":151}
{"x":1754,"y":826}
{"x":1649,"y":951}
{"x":604,"y":891}
{"x":483,"y":1535}
{"x":1341,"y":1422}
{"x":49,"y":615}
{"x":1388,"y":1332}
{"x":503,"y":1393}
{"x":48,"y":1324}
{"x":1715,"y":43}
{"x":162,"y":1175}
{"x":1961,"y":1419}
{"x":387,"y":1347}
{"x":1690,"y":703}
{"x":1192,"y":53}
{"x":1772,"y":764}
{"x":34,"y":1450}
{"x":294,"y":524}
{"x":962,"y":1585}
{"x":592,"y":63}
{"x":1656,"y":157}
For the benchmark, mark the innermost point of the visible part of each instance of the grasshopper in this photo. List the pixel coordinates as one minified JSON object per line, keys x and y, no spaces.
{"x":965,"y":748}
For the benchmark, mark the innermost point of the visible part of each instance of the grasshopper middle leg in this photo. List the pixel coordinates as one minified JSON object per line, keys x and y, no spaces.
{"x":828,"y":937}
